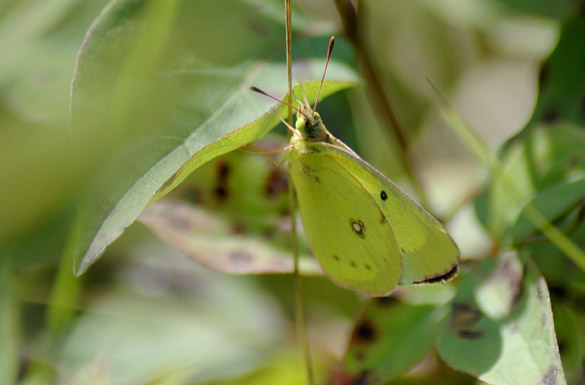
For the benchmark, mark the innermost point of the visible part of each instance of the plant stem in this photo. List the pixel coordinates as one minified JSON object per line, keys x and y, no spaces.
{"x":299,"y":311}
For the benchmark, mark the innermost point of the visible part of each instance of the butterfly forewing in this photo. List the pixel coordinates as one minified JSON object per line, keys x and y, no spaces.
{"x":345,"y":227}
{"x":427,"y":251}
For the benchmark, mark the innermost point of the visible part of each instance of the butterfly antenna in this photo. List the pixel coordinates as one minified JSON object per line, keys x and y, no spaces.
{"x":329,"y":49}
{"x":258,"y":90}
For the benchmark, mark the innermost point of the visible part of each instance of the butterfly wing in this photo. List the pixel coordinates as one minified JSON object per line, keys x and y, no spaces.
{"x":427,"y":251}
{"x":344,"y":225}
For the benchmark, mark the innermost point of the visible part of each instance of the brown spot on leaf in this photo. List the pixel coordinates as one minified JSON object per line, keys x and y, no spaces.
{"x":221,"y":194}
{"x":551,"y":115}
{"x":573,"y":163}
{"x":276,"y":184}
{"x":169,"y":182}
{"x":220,"y":191}
{"x":223,"y":170}
{"x":550,"y":377}
{"x":470,"y":334}
{"x":241,"y":258}
{"x":364,"y":333}
{"x":238,"y":229}
{"x":178,"y":223}
{"x":465,"y":315}
{"x":386,"y":301}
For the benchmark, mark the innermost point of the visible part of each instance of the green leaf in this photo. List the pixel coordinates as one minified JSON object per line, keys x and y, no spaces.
{"x":9,"y":324}
{"x":544,"y":169}
{"x":232,"y":215}
{"x":502,"y":330}
{"x":389,"y":338}
{"x":562,"y":79}
{"x":168,"y":100}
{"x":552,"y":203}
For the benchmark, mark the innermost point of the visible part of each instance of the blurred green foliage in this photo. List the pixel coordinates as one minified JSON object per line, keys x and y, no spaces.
{"x":95,"y":126}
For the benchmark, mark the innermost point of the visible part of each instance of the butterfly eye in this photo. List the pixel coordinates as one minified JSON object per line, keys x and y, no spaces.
{"x":300,"y":124}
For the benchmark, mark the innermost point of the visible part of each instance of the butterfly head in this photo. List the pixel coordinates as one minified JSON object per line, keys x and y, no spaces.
{"x":309,"y":124}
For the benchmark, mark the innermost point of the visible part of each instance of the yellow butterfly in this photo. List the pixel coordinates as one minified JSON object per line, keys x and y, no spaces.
{"x":365,"y":232}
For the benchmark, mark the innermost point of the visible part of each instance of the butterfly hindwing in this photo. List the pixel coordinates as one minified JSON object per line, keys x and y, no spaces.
{"x":427,"y":251}
{"x":345,"y":227}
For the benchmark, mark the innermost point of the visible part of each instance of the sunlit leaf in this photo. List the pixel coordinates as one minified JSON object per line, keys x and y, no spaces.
{"x":501,"y":329}
{"x":389,"y":338}
{"x":171,"y":107}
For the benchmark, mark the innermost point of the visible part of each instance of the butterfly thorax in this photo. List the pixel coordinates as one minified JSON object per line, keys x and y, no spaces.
{"x":310,"y":126}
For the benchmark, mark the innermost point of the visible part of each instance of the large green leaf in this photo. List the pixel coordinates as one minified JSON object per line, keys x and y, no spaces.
{"x":562,"y":79}
{"x":545,"y":170}
{"x":389,"y":338}
{"x":166,"y":83}
{"x":502,"y":329}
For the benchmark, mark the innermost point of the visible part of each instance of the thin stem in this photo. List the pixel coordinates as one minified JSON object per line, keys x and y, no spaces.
{"x":349,"y":18}
{"x":299,"y":314}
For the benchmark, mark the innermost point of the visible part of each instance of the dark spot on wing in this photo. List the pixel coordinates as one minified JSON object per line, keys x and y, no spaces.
{"x":358,"y":227}
{"x":305,"y":170}
{"x":445,"y":277}
{"x":402,"y":250}
{"x":336,"y":257}
{"x":383,"y":195}
{"x":470,"y":334}
{"x":353,"y":264}
{"x":276,"y":183}
{"x":365,"y":332}
{"x":368,"y":267}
